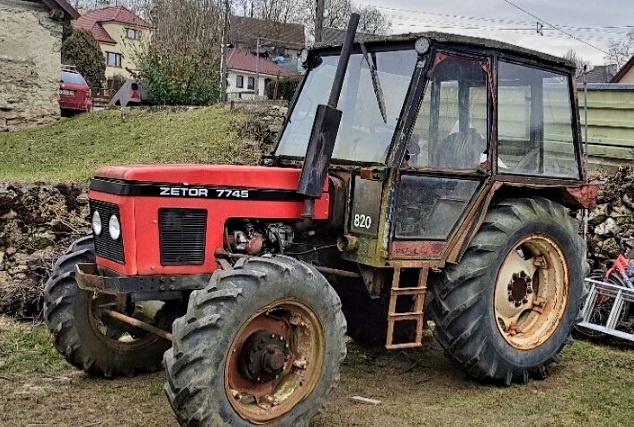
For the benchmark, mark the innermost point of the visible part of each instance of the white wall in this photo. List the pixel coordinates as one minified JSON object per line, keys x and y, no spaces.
{"x":232,"y":75}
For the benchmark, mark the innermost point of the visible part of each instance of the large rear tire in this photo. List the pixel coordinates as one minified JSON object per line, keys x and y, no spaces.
{"x":506,"y":310}
{"x":85,"y":341}
{"x":260,"y":345}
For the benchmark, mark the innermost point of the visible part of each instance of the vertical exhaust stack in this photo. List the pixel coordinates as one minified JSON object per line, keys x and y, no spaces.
{"x":324,"y":131}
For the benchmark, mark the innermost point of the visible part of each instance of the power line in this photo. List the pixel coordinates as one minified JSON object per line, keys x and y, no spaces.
{"x":435,"y":20}
{"x":555,"y":27}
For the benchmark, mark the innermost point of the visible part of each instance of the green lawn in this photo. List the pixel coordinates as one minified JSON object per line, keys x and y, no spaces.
{"x":71,"y":149}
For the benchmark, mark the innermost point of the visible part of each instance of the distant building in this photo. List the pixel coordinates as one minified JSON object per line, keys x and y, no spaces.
{"x":599,"y":74}
{"x":248,"y":74}
{"x":334,"y":36}
{"x":625,"y":74}
{"x":119,"y":33}
{"x":31,"y":35}
{"x":271,"y":39}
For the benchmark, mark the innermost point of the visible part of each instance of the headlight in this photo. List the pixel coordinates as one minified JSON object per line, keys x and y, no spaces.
{"x":96,"y":223}
{"x":114,"y":227}
{"x":422,"y":45}
{"x":303,"y":56}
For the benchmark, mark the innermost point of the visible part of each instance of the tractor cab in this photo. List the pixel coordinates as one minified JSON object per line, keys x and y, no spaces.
{"x":431,"y":124}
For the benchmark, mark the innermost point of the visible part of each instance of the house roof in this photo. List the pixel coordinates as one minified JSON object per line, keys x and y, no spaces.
{"x":245,"y":30}
{"x":623,"y":71}
{"x":243,"y":60}
{"x":92,"y":21}
{"x":336,"y":36}
{"x":600,"y":74}
{"x":68,"y":10}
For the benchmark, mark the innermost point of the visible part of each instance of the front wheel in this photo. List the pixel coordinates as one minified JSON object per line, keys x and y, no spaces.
{"x":90,"y":341}
{"x":260,"y":345}
{"x":506,"y":310}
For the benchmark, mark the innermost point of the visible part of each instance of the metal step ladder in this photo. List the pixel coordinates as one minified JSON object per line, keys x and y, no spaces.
{"x":417,"y":293}
{"x":622,"y":298}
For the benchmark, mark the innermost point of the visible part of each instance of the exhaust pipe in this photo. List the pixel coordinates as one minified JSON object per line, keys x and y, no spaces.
{"x":324,"y":131}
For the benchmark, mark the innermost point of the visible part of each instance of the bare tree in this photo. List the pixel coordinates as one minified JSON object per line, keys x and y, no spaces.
{"x":269,"y":10}
{"x":336,"y":15}
{"x":372,"y":20}
{"x":580,"y":64}
{"x":621,"y":52}
{"x":181,"y":63}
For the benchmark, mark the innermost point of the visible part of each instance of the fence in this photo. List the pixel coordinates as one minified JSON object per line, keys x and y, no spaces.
{"x":610,"y":122}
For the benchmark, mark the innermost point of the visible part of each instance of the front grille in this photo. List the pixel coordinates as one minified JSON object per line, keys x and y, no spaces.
{"x":105,"y":247}
{"x":182,"y":236}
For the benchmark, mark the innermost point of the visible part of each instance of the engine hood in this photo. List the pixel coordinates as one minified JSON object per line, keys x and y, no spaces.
{"x":205,"y":175}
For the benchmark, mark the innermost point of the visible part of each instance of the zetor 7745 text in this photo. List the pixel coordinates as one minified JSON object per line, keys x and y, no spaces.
{"x":419,"y":177}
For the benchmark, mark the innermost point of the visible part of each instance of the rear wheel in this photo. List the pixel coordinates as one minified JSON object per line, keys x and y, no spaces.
{"x":506,"y":310}
{"x":87,"y":338}
{"x":261,"y":345}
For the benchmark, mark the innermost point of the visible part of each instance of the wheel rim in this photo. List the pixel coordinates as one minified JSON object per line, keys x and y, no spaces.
{"x":275,"y":361}
{"x":114,"y":334}
{"x":531,"y":292}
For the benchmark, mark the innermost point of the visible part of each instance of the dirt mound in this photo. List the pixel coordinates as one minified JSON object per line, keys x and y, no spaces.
{"x":37,"y":224}
{"x":613,"y":219}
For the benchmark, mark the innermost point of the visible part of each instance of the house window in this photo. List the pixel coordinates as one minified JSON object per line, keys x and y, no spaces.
{"x":251,"y":83}
{"x":133,"y":34}
{"x":239,"y":81}
{"x":113,"y":59}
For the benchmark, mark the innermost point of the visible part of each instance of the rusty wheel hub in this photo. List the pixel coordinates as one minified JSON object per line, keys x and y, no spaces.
{"x":275,"y":361}
{"x":264,"y":355}
{"x":531,"y":292}
{"x":520,"y":287}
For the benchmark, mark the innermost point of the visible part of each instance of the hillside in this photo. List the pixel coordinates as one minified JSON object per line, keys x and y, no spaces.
{"x":71,"y":149}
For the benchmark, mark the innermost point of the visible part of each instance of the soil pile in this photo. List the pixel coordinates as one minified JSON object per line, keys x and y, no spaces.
{"x":37,"y":223}
{"x":612,"y":222}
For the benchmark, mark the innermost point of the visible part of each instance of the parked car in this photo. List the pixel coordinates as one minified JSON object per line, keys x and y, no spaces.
{"x":75,"y":95}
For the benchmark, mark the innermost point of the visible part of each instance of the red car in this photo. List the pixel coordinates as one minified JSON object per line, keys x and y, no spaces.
{"x":74,"y":93}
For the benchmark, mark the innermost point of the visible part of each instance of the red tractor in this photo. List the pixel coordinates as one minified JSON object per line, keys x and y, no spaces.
{"x":434,"y":181}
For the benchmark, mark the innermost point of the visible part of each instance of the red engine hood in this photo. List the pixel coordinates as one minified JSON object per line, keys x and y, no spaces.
{"x":222,"y":175}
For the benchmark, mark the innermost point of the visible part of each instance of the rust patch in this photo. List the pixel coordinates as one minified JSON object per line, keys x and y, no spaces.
{"x":586,"y":195}
{"x":417,"y":249}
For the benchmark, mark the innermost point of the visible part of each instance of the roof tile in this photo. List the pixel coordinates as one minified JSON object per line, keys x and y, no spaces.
{"x":93,"y":19}
{"x":243,"y":60}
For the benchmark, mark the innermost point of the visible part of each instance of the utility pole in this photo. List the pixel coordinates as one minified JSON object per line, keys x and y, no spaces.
{"x":223,"y":54}
{"x":257,"y":68}
{"x":319,"y":20}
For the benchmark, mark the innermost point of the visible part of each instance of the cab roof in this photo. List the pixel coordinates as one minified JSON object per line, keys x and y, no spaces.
{"x":448,"y":38}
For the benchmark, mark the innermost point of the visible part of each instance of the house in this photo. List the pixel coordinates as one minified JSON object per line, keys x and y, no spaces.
{"x":270,"y":39}
{"x":249,"y":74}
{"x":120,"y":34}
{"x":599,"y":74}
{"x":30,"y":38}
{"x":625,"y":74}
{"x":335,"y":36}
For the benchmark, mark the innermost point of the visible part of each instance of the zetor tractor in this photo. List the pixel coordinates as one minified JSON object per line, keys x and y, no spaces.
{"x":417,"y":177}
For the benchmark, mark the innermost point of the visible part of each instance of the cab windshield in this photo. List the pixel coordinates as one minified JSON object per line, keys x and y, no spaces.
{"x":365,"y":133}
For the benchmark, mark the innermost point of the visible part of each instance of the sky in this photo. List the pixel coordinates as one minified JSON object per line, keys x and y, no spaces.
{"x":594,"y":22}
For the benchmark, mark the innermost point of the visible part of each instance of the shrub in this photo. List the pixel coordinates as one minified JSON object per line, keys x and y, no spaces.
{"x":173,"y":78}
{"x":286,"y":87}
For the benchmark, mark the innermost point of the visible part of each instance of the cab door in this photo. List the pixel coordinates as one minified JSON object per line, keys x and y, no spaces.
{"x":446,"y":164}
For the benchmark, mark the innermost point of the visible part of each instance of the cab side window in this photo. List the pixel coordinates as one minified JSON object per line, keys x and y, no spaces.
{"x":535,"y":132}
{"x":451,"y":129}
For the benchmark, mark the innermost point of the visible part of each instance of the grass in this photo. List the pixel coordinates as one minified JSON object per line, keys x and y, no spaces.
{"x":71,"y":149}
{"x":592,"y":386}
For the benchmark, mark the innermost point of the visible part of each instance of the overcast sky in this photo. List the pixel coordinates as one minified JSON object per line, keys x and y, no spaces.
{"x":585,"y":19}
